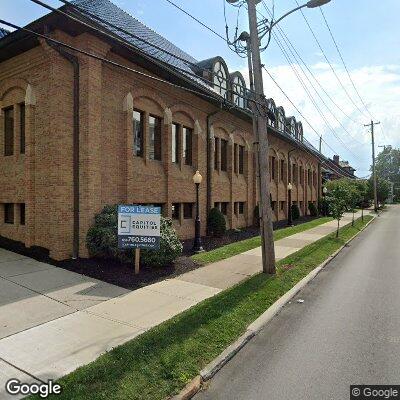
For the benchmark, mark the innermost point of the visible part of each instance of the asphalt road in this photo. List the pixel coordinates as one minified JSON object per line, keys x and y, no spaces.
{"x":346,"y":332}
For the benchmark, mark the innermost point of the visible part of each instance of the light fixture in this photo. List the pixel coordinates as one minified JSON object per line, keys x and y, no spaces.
{"x":325,"y":190}
{"x":317,"y":3}
{"x":289,"y":186}
{"x":197,"y":178}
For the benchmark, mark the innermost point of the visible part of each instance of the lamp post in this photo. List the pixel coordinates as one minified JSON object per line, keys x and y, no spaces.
{"x":325,"y":209}
{"x":290,"y":219}
{"x":197,"y":246}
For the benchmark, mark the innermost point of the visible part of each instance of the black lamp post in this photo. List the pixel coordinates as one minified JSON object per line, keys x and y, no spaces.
{"x":290,"y":219}
{"x":197,"y":246}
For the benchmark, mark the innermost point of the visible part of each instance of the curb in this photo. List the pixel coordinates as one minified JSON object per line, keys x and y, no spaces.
{"x":255,"y":327}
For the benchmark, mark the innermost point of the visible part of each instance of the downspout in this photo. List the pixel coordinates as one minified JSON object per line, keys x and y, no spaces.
{"x":75,"y":64}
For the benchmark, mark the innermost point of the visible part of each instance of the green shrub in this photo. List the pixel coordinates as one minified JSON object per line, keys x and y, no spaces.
{"x":313,"y":209}
{"x":323,"y":207}
{"x":170,"y":247}
{"x":216,"y":222}
{"x":257,"y":216}
{"x":102,"y":241}
{"x":295,"y":212}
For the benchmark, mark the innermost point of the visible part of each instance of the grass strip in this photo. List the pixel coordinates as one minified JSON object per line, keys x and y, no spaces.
{"x":233,"y":249}
{"x":163,"y":360}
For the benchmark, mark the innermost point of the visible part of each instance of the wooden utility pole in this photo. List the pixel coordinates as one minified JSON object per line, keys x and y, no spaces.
{"x":260,"y":123}
{"x":373,"y":164}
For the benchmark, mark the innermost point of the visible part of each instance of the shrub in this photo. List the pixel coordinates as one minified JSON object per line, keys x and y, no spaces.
{"x":313,"y":209}
{"x":295,"y":212}
{"x":257,"y":216}
{"x":102,"y":241}
{"x":216,"y":222}
{"x":323,"y":207}
{"x":170,"y":247}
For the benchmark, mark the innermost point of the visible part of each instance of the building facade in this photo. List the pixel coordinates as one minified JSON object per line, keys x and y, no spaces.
{"x":78,"y":133}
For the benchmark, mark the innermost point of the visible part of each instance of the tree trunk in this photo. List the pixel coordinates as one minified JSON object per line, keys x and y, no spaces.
{"x":362,"y":213}
{"x":337,"y":230}
{"x":352,"y":222}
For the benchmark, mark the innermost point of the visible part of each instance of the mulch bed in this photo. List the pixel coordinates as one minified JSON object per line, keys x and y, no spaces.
{"x":122,"y":274}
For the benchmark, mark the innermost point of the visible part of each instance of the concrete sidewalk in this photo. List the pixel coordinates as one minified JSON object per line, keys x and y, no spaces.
{"x":84,"y":331}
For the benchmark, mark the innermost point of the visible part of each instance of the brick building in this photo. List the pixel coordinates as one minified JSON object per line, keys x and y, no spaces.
{"x":77,"y":133}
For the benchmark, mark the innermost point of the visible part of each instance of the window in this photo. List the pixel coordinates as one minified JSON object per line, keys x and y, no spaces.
{"x":22,"y":213}
{"x":238,"y":91}
{"x":220,"y":78}
{"x":224,"y":155}
{"x":8,"y":213}
{"x":175,"y":143}
{"x":188,"y":210}
{"x":301,"y":175}
{"x":176,"y":211}
{"x":155,"y":138}
{"x":282,"y":205}
{"x":138,"y":133}
{"x":273,"y":203}
{"x":294,"y":173}
{"x":282,"y":169}
{"x":216,"y":154}
{"x":22,"y":128}
{"x":241,"y":207}
{"x":224,"y":208}
{"x":217,"y":205}
{"x":272,"y":167}
{"x":241,"y":159}
{"x":8,"y":131}
{"x":235,"y":159}
{"x":187,"y":145}
{"x":309,"y":177}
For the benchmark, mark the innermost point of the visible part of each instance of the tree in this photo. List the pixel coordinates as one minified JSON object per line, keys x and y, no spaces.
{"x":338,"y":200}
{"x":362,"y":188}
{"x":387,"y":165}
{"x":383,"y":189}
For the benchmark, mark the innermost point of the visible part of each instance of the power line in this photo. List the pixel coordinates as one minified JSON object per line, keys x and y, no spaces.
{"x":343,"y":62}
{"x":315,"y":90}
{"x":329,"y":63}
{"x":307,"y":67}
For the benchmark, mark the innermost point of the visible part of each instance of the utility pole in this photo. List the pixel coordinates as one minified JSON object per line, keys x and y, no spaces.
{"x":372,"y":124}
{"x":260,"y":123}
{"x":320,"y":144}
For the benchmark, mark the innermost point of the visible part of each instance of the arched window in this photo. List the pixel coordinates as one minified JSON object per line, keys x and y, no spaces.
{"x":271,"y":112}
{"x":281,"y":119}
{"x":220,"y":78}
{"x":238,"y":91}
{"x":299,"y":128}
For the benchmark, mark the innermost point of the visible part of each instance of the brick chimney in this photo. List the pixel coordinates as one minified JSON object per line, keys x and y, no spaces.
{"x":336,"y":159}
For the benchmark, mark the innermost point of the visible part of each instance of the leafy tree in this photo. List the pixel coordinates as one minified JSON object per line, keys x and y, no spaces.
{"x":383,"y":189}
{"x":387,"y":166}
{"x":362,"y":188}
{"x":338,"y":200}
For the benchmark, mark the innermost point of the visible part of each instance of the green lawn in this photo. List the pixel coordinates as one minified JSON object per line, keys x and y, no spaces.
{"x":163,"y":360}
{"x":233,"y":249}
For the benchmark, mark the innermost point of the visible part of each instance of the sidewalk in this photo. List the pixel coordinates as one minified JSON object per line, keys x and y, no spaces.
{"x":55,"y":348}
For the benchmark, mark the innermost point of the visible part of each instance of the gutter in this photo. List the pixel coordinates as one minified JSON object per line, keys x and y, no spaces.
{"x":75,"y":64}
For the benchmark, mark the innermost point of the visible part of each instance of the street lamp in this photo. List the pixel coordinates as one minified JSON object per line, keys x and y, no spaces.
{"x":197,"y":246}
{"x":290,"y":219}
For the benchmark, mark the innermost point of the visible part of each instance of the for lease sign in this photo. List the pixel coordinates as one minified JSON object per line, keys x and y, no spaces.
{"x":139,"y":227}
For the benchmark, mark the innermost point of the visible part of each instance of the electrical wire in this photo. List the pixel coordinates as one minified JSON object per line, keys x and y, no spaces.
{"x":328,"y":61}
{"x":344,"y":64}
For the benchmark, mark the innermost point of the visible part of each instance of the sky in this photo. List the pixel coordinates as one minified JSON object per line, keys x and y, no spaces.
{"x":367,"y":33}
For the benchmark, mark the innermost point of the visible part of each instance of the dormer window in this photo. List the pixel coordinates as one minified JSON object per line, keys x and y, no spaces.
{"x":220,"y":78}
{"x":293,"y":130}
{"x":271,"y":112}
{"x":238,"y":90}
{"x":299,"y":128}
{"x":281,"y":119}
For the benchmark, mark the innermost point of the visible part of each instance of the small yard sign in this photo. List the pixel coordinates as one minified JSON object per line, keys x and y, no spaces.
{"x":139,"y":227}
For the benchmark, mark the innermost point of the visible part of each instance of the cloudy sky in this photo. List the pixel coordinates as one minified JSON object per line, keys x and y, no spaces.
{"x":368,"y":35}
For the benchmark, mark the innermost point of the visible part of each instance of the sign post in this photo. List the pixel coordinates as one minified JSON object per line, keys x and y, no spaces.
{"x":139,"y":228}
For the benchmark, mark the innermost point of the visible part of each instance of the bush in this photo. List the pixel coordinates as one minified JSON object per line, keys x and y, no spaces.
{"x":295,"y":212}
{"x":102,"y":241}
{"x":313,"y":209}
{"x":216,"y":222}
{"x":323,"y":207}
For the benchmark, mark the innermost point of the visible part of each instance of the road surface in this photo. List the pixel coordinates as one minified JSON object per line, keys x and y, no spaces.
{"x":346,"y":332}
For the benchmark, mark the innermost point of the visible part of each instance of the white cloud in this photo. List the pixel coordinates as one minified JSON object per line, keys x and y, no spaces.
{"x":378,"y":85}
